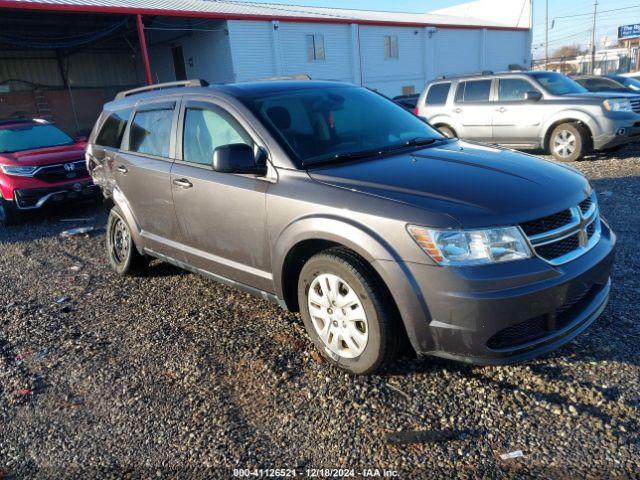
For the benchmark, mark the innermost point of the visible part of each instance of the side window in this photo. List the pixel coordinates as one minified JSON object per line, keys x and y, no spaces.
{"x":513,"y":89}
{"x":315,"y":47}
{"x":113,"y":128}
{"x":207,"y":129}
{"x":151,"y":132}
{"x":438,"y":94}
{"x":391,"y":47}
{"x":473,"y":91}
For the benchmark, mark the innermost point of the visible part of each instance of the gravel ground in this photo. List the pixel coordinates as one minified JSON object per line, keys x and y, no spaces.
{"x":172,"y":375}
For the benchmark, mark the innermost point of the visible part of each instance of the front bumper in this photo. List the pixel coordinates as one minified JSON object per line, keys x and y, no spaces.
{"x":34,"y":198}
{"x":618,"y":132}
{"x":504,"y":313}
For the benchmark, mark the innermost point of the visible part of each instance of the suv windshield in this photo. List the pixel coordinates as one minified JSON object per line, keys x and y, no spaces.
{"x":30,"y":136}
{"x":558,"y":84}
{"x":338,"y":122}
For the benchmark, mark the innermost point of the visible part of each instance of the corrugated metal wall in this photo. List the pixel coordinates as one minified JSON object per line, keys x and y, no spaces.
{"x":263,"y":49}
{"x":26,"y":69}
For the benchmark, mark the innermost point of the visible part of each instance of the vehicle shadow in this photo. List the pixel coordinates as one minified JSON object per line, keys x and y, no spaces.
{"x":52,"y":221}
{"x":628,"y":151}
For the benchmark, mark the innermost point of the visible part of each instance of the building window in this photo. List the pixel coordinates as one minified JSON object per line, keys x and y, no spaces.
{"x":391,"y":47}
{"x":315,"y":47}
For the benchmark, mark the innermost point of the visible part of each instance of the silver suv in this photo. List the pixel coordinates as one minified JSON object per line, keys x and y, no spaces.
{"x":531,"y":110}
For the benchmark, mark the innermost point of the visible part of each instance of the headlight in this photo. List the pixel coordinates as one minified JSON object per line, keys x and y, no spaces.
{"x":471,"y":247}
{"x":618,"y":105}
{"x":18,"y":171}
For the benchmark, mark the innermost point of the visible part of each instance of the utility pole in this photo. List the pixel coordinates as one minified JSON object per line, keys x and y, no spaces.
{"x":593,"y":38}
{"x":546,"y":36}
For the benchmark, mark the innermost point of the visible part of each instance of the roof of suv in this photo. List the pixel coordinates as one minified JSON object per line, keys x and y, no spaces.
{"x":238,"y":90}
{"x":485,"y":74}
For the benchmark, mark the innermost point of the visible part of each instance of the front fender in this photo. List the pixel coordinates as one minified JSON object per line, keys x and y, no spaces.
{"x":367,"y":243}
{"x":594,"y":123}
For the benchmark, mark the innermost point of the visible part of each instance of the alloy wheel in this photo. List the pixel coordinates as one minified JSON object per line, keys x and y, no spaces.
{"x":338,"y":316}
{"x":564,"y":143}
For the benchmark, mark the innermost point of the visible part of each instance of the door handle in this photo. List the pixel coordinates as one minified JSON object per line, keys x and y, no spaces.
{"x":122,"y":169}
{"x":457,"y":110}
{"x":182,"y":183}
{"x":501,"y":109}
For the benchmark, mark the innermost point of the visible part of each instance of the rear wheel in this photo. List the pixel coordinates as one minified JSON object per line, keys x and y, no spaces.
{"x":447,"y":131}
{"x":9,"y":214}
{"x":568,"y":142}
{"x":121,"y":250}
{"x":347,"y":312}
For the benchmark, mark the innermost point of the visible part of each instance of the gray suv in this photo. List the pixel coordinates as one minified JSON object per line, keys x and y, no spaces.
{"x":376,"y":227}
{"x":531,"y":110}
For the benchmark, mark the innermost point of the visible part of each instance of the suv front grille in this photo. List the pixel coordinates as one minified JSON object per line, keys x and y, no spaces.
{"x":564,"y":236}
{"x":545,"y":224}
{"x":635,"y":104}
{"x":62,"y":171}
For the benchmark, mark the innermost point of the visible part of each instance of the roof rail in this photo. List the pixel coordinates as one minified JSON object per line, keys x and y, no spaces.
{"x":19,"y":119}
{"x":297,"y":76}
{"x":460,"y":75}
{"x":160,"y":86}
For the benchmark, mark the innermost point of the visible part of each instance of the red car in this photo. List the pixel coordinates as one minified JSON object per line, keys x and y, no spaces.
{"x":39,"y":165}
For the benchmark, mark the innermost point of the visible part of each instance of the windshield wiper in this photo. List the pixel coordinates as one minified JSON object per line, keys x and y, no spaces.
{"x":413,"y":142}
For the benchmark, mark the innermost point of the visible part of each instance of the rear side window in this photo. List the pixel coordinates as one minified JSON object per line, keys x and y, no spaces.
{"x":205,"y":130}
{"x":113,"y":128}
{"x":474,"y":91}
{"x":513,"y":89}
{"x":438,"y":93}
{"x":151,"y":132}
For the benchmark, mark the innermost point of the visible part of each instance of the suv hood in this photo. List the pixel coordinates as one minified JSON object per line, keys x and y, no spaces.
{"x":45,"y":156}
{"x":478,"y":185}
{"x":602,"y":95}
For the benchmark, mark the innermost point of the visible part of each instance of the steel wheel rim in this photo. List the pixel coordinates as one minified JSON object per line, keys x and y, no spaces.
{"x":564,"y":143}
{"x":120,"y":241}
{"x":338,"y":316}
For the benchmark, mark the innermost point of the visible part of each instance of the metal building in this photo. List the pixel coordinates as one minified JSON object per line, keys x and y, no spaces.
{"x":87,"y":49}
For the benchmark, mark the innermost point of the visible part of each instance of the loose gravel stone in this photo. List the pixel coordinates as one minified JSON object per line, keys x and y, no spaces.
{"x":171,"y":375}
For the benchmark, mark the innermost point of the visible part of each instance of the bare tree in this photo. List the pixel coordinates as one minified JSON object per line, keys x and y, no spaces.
{"x":568,"y":51}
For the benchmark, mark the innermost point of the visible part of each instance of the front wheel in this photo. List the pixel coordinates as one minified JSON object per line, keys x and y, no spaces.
{"x":568,"y":142}
{"x":447,"y":131}
{"x":347,"y":312}
{"x":121,"y":250}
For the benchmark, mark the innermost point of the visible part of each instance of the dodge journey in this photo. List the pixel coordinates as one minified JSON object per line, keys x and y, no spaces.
{"x":332,"y":200}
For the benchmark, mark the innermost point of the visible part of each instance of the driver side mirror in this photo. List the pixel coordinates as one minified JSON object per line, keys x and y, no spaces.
{"x":533,"y":96}
{"x":240,"y":158}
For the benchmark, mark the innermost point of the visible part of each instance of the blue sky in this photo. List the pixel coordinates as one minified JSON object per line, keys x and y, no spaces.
{"x":572,"y":26}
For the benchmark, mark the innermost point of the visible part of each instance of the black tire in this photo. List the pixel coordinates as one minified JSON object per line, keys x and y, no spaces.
{"x":568,"y":142}
{"x":121,"y":250}
{"x":383,"y":326}
{"x":9,"y":215}
{"x":447,"y":131}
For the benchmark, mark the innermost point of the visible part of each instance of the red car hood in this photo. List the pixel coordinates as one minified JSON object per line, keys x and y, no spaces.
{"x":45,"y":156}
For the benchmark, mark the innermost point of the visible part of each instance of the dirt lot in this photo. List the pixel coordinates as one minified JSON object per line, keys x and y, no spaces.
{"x":174,"y":376}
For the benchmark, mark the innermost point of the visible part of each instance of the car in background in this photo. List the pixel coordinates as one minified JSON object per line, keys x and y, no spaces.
{"x":39,"y":165}
{"x":632,"y":83}
{"x":597,"y":83}
{"x":531,"y":110}
{"x":407,"y":101}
